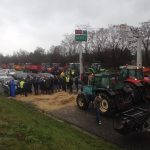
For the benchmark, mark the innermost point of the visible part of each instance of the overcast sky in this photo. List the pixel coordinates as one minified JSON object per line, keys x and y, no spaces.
{"x":27,"y":24}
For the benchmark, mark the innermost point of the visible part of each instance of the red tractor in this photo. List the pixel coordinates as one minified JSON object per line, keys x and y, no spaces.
{"x":133,"y":76}
{"x":137,"y":118}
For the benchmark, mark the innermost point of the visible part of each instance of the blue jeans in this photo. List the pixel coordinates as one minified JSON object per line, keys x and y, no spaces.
{"x":98,"y":118}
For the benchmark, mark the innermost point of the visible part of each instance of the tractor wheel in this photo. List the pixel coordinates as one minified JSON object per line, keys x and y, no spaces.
{"x":82,"y":102}
{"x":106,"y":105}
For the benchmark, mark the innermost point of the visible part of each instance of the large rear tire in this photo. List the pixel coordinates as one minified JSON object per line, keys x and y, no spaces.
{"x":82,"y":102}
{"x":106,"y":104}
{"x":137,"y":93}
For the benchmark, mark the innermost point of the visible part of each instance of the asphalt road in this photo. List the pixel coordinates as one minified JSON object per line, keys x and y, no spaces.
{"x":86,"y":121}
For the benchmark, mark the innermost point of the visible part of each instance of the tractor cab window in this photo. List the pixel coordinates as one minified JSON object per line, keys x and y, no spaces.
{"x":101,"y":82}
{"x":132,"y":73}
{"x":97,"y":81}
{"x":113,"y":81}
{"x":123,"y":74}
{"x":136,"y":73}
{"x":140,"y":74}
{"x":105,"y":82}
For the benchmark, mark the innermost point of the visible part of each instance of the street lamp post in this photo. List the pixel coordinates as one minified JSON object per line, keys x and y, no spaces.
{"x":139,"y":53}
{"x":136,"y":34}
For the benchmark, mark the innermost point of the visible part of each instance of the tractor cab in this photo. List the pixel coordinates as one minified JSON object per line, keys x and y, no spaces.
{"x":107,"y":81}
{"x":101,"y":81}
{"x":131,"y":72}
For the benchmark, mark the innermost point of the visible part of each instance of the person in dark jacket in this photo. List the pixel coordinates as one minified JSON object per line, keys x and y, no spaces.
{"x":51,"y":85}
{"x":55,"y":83}
{"x":63,"y":82}
{"x":77,"y":84}
{"x":42,"y":86}
{"x":26,"y":87}
{"x":29,"y":85}
{"x":47,"y":87}
{"x":59,"y":83}
{"x":36,"y":85}
{"x":96,"y":103}
{"x":70,"y":85}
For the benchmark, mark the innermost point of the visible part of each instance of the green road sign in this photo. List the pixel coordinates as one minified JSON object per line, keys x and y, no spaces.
{"x":80,"y":35}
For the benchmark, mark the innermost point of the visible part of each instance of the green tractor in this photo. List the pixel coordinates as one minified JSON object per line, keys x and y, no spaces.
{"x":116,"y":96}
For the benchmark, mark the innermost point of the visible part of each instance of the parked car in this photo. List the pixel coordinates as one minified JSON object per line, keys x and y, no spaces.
{"x":3,"y":76}
{"x":11,"y":72}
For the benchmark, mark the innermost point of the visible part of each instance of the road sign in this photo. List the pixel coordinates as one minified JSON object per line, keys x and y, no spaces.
{"x":78,"y":31}
{"x":80,"y":35}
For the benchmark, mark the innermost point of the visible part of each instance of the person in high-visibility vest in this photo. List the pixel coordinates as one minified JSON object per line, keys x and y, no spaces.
{"x":21,"y":85}
{"x":67,"y":81}
{"x":72,"y":72}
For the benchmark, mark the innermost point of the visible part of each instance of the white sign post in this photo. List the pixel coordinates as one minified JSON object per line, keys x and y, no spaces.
{"x":80,"y":61}
{"x":80,"y":35}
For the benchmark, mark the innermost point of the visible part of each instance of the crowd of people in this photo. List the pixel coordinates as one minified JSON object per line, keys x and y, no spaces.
{"x":49,"y":85}
{"x":45,"y":85}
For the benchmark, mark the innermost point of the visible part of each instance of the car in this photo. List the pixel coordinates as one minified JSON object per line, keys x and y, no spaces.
{"x":11,"y":72}
{"x":7,"y":79}
{"x":3,"y":76}
{"x":45,"y":75}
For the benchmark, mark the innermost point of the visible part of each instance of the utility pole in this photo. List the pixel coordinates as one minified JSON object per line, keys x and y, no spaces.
{"x":139,"y":53}
{"x":136,"y":34}
{"x":81,"y":60}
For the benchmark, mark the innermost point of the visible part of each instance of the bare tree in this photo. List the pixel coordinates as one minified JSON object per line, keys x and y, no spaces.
{"x":37,"y":56}
{"x":69,"y":44}
{"x":145,"y":36}
{"x":99,"y":38}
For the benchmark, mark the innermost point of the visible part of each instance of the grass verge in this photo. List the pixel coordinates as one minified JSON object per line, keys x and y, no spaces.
{"x":23,"y":127}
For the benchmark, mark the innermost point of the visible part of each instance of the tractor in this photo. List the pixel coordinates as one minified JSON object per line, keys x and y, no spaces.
{"x":116,"y":96}
{"x":136,"y":118}
{"x":133,"y":76}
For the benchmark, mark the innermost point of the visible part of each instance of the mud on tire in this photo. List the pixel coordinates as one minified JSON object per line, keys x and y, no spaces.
{"x":106,"y":104}
{"x":82,"y":102}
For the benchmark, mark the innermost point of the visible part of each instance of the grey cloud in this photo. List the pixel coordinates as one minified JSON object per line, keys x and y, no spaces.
{"x":42,"y":23}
